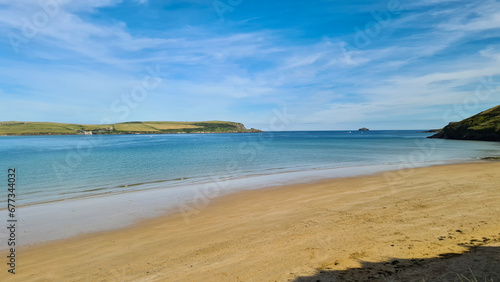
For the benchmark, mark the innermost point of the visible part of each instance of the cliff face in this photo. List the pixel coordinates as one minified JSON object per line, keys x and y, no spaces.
{"x":241,"y":128}
{"x":484,"y":126}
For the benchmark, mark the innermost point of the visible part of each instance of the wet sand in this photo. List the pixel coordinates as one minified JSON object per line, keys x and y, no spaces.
{"x":408,"y":225}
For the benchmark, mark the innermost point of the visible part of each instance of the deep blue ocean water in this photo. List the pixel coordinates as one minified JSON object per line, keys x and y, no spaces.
{"x":51,"y":168}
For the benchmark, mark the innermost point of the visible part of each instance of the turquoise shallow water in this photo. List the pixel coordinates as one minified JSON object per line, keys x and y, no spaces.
{"x":51,"y":168}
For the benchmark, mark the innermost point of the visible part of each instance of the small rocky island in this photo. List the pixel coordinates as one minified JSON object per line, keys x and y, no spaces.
{"x":484,"y":126}
{"x":363,"y":129}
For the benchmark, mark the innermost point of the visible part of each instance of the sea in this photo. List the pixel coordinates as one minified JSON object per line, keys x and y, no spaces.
{"x":71,"y":184}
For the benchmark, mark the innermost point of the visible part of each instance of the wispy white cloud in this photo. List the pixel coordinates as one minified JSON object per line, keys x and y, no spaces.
{"x":411,"y":67}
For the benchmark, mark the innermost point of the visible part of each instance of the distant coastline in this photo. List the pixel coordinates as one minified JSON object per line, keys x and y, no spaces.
{"x":17,"y":128}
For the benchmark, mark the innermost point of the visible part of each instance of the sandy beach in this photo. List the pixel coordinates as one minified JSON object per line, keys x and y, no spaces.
{"x":425,"y":224}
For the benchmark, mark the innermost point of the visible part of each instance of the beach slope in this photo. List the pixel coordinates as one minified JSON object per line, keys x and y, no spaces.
{"x":429,"y":223}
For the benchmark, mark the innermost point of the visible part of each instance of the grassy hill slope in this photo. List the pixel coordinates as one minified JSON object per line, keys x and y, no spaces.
{"x":146,"y":127}
{"x":484,"y":126}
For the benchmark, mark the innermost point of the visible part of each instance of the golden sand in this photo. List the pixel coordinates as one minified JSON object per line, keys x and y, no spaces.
{"x":380,"y":227}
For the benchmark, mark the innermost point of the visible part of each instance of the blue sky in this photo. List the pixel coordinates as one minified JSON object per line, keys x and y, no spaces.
{"x":330,"y":65}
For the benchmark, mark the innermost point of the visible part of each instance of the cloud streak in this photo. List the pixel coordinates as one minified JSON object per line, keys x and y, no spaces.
{"x":426,"y":60}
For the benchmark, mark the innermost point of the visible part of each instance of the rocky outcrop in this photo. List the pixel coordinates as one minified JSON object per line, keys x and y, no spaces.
{"x":432,"y":131}
{"x":484,"y":126}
